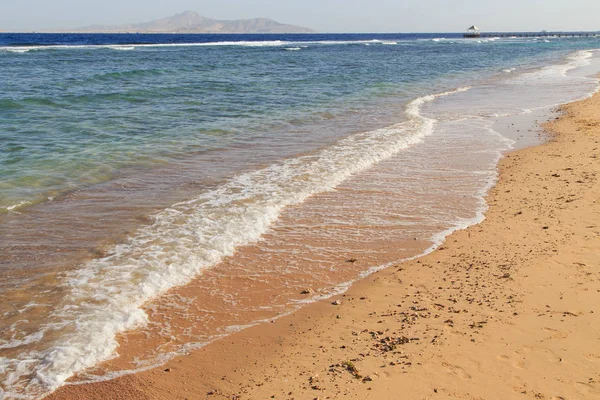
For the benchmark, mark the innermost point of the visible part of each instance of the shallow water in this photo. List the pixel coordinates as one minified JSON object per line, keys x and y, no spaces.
{"x":187,"y":190}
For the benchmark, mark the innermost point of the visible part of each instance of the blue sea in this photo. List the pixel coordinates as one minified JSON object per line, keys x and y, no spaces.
{"x":217,"y":176}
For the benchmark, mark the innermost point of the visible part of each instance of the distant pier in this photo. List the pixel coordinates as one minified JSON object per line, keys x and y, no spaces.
{"x":535,"y":34}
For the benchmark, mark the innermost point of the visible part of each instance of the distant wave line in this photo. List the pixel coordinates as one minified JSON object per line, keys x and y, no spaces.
{"x":133,"y":46}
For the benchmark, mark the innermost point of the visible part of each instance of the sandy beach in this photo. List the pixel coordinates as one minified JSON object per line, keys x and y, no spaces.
{"x":508,"y":308}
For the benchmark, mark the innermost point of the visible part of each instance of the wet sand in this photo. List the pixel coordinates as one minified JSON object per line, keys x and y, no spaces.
{"x":508,"y":308}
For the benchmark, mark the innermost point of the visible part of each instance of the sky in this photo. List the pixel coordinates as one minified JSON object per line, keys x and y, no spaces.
{"x":322,"y":15}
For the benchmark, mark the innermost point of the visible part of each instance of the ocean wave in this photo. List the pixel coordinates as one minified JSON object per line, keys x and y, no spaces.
{"x":578,"y":59}
{"x":16,"y":206}
{"x":462,"y":41}
{"x":132,"y":46}
{"x":122,"y":48}
{"x":106,"y":295}
{"x":129,"y":47}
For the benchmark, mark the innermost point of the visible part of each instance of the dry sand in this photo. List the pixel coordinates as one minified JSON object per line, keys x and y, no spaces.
{"x":509,"y":308}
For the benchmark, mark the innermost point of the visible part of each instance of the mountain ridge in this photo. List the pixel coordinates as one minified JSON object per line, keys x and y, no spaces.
{"x":192,"y":22}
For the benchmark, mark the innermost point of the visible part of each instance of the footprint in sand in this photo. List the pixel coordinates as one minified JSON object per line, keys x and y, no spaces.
{"x":525,"y":350}
{"x":517,"y":364}
{"x":555,"y":333}
{"x":587,"y":389}
{"x":517,"y":361}
{"x":456,"y":370}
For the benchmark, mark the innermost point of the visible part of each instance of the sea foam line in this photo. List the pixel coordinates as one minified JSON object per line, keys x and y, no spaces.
{"x":105,"y":296}
{"x":16,"y":206}
{"x":133,"y":46}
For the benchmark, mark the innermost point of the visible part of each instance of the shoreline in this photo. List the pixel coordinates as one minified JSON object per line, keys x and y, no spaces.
{"x":503,"y":308}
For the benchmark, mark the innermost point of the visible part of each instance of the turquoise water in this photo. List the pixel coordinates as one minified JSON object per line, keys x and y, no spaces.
{"x":75,"y":116}
{"x":134,"y":165}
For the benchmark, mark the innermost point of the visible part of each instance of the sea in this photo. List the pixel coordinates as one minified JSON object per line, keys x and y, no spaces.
{"x":159,"y":192}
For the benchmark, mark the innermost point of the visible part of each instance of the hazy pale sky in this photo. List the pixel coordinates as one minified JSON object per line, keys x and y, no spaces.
{"x":321,"y":15}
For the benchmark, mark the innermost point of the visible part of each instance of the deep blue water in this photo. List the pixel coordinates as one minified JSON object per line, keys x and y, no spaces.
{"x":44,"y":39}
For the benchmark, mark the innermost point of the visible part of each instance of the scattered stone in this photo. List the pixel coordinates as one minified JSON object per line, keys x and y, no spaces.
{"x":167,"y":370}
{"x":477,"y":325}
{"x":389,"y":343}
{"x":307,"y":291}
{"x":352,"y":260}
{"x":336,"y":303}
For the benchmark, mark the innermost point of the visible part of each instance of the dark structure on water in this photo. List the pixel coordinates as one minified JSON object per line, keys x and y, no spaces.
{"x":540,"y":34}
{"x":474,"y":33}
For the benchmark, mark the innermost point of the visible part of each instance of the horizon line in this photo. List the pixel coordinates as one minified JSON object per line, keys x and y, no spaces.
{"x":282,"y":33}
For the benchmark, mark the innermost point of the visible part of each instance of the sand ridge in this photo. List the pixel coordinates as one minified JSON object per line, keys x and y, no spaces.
{"x":509,"y":308}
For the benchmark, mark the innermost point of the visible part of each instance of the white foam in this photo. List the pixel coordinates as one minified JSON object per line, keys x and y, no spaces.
{"x":463,"y":41}
{"x":25,"y":49}
{"x":267,"y":43}
{"x":15,"y":50}
{"x":544,"y":82}
{"x":16,"y":206}
{"x":122,"y":48}
{"x":105,"y":296}
{"x":33,"y":338}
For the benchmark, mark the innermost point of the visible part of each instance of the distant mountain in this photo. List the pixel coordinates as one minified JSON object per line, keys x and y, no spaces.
{"x":192,"y":22}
